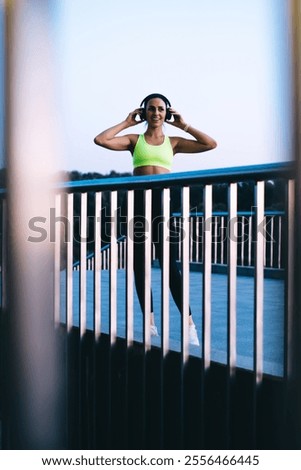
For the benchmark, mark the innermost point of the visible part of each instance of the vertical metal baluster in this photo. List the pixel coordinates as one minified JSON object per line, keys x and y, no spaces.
{"x":120,"y":255}
{"x":147,"y":260}
{"x":215,"y":239}
{"x":242,"y":240}
{"x":165,"y":301}
{"x":123,"y":254}
{"x":222,"y":239}
{"x":197,"y":234}
{"x":69,"y":280}
{"x":180,"y":240}
{"x":113,"y":269}
{"x":231,"y":313}
{"x":129,"y":310}
{"x":130,"y":271}
{"x":218,"y":239}
{"x":259,"y":258}
{"x":250,"y":241}
{"x":290,"y":283}
{"x":97,"y":268}
{"x":165,"y":273}
{"x":185,"y":272}
{"x":207,"y":263}
{"x":147,"y":303}
{"x":82,"y":312}
{"x":279,"y":242}
{"x":112,"y":308}
{"x":206,"y":329}
{"x":185,"y":301}
{"x":272,"y":242}
{"x":232,"y":278}
{"x":191,"y":240}
{"x":203,"y":241}
{"x":258,"y":299}
{"x":265,"y":242}
{"x":83,"y":267}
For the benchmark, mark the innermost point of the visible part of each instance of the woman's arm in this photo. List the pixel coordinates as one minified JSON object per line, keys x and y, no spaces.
{"x":108,"y":138}
{"x":202,"y":142}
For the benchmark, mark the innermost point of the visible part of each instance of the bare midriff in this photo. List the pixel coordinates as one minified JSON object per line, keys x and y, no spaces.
{"x":150,"y":170}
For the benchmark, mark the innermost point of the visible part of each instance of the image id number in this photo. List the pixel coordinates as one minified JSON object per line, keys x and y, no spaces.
{"x":221,"y":460}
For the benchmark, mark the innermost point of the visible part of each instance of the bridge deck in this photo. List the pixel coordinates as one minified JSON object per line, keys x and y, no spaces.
{"x":273,"y":315}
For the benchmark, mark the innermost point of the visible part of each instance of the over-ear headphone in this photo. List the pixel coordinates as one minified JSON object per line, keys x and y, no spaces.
{"x":144,"y":102}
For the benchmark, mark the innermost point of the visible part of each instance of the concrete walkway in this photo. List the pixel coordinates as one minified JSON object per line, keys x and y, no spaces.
{"x":273,"y":315}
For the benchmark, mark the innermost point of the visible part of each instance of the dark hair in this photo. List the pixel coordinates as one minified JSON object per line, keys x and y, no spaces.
{"x":150,"y":97}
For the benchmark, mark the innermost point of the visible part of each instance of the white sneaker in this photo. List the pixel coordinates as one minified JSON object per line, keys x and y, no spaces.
{"x":154,"y":330}
{"x":193,"y":335}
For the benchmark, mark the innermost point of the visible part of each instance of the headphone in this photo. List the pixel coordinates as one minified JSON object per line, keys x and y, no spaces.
{"x":150,"y":97}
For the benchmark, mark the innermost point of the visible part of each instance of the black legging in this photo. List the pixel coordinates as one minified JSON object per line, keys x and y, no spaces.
{"x":140,"y":228}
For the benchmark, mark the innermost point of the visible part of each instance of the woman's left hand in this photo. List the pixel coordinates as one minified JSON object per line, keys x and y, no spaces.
{"x":177,"y":119}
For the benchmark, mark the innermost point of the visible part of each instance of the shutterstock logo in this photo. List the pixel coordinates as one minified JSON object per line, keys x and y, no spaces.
{"x":139,"y":228}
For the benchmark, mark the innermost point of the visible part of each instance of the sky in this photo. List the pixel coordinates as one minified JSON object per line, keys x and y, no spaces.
{"x":223,"y":64}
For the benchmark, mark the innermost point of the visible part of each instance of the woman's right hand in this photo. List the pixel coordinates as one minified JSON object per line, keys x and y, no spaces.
{"x":131,"y":119}
{"x":109,"y":138}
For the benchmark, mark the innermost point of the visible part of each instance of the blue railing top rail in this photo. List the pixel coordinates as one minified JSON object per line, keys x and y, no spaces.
{"x":226,"y":213}
{"x":220,"y":175}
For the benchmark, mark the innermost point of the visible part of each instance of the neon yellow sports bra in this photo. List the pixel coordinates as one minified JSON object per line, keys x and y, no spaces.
{"x":155,"y":155}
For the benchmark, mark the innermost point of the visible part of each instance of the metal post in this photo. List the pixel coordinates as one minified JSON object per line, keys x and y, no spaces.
{"x":34,"y":418}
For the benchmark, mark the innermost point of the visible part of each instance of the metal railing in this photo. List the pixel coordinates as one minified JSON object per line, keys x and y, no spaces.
{"x":103,"y":222}
{"x":273,"y":241}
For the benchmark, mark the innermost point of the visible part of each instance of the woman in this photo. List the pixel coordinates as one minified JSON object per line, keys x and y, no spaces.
{"x":153,"y":154}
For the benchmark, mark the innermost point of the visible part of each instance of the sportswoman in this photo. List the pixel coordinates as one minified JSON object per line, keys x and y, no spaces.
{"x":153,"y":154}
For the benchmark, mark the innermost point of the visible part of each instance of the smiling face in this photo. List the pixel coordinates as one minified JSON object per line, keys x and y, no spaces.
{"x":155,"y":112}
